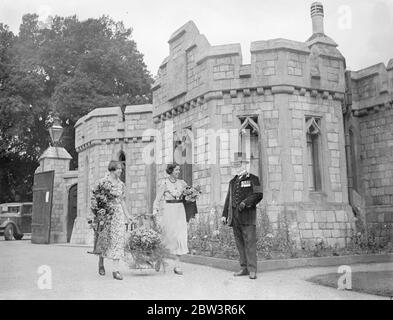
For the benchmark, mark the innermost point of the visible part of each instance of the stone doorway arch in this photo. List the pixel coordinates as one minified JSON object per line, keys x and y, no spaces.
{"x":72,"y":209}
{"x":122,"y":160}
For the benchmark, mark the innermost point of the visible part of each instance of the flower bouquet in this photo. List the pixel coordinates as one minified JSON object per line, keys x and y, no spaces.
{"x":145,"y":246}
{"x":101,"y":205}
{"x":191,"y":193}
{"x":189,"y":196}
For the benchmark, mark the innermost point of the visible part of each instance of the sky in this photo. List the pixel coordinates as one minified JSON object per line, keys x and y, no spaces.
{"x":363,"y":29}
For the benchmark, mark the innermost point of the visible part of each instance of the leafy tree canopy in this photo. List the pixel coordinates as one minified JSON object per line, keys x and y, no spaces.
{"x":63,"y":65}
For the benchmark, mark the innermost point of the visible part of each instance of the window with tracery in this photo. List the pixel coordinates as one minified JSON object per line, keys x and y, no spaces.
{"x":313,"y":134}
{"x":249,"y":142}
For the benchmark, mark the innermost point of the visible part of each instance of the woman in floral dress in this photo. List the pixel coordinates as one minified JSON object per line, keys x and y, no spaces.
{"x":112,"y":239}
{"x":173,"y":220}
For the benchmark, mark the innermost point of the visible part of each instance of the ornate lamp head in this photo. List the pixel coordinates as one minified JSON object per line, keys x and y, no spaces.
{"x":56,"y":131}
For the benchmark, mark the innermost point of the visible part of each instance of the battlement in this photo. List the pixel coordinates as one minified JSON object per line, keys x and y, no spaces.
{"x":371,"y":88}
{"x":108,"y":125}
{"x":196,"y":71}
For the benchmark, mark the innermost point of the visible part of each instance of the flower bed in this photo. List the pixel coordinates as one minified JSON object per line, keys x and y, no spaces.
{"x":208,"y":237}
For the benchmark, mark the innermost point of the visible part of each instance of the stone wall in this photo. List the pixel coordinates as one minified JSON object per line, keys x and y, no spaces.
{"x":281,"y":118}
{"x":376,"y":132}
{"x":101,"y":136}
{"x":371,"y":118}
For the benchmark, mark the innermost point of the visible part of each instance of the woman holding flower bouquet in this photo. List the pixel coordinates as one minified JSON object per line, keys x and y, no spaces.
{"x":110,"y":218}
{"x":173,"y":220}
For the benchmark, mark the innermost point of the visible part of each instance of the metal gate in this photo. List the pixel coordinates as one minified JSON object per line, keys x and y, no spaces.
{"x":42,"y":207}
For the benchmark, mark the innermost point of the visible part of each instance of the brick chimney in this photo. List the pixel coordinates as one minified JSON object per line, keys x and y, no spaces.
{"x":317,"y":17}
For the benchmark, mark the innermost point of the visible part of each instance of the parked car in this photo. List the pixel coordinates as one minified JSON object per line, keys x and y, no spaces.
{"x":15,"y":219}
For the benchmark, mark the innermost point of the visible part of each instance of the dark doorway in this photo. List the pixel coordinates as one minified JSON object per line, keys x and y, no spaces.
{"x":182,"y":155}
{"x":122,"y":160}
{"x":72,"y":210}
{"x":42,"y":207}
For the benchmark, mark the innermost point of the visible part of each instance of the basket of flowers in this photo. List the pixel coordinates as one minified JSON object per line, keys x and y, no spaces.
{"x":146,"y":248}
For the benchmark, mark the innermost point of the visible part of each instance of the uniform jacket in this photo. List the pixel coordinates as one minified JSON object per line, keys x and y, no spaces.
{"x":248,"y":190}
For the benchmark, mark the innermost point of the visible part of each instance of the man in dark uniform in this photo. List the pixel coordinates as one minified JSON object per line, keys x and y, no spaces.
{"x":239,"y":212}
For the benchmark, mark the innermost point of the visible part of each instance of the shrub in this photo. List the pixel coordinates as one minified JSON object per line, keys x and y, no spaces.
{"x":207,"y":236}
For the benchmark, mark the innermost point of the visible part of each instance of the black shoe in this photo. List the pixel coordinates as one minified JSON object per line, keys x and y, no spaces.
{"x":177,"y":271}
{"x":242,"y":272}
{"x":101,"y":270}
{"x":253,"y":275}
{"x":117,"y":275}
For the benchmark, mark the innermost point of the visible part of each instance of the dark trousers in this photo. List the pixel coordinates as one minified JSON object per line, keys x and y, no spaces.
{"x":246,"y":242}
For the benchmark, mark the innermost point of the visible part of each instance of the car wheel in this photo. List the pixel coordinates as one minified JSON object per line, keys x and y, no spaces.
{"x":18,"y":236}
{"x":9,"y":232}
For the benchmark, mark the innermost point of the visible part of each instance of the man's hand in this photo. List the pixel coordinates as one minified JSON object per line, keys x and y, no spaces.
{"x":242,"y":205}
{"x":224,"y":220}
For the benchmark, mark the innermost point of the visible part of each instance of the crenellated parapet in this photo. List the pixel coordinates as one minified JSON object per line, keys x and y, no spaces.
{"x":111,"y":125}
{"x":371,"y":89}
{"x":196,"y":71}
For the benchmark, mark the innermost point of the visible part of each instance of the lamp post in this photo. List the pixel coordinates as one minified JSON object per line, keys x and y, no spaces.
{"x":56,"y":131}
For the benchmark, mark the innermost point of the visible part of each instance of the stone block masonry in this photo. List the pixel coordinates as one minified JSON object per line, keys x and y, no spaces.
{"x":276,"y":91}
{"x":370,"y":126}
{"x":376,"y":142}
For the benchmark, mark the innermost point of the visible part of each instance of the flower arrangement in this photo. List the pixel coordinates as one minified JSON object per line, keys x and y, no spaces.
{"x":191,"y":193}
{"x":144,"y":239}
{"x":145,"y":246}
{"x":189,"y":196}
{"x":101,"y":205}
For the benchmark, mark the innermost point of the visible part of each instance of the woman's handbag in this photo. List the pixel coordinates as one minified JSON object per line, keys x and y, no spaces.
{"x":191,"y":209}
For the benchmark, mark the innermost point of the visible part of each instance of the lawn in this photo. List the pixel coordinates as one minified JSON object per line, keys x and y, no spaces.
{"x":378,"y":282}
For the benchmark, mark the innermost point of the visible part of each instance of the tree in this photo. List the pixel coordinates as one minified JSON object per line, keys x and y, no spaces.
{"x":68,"y":66}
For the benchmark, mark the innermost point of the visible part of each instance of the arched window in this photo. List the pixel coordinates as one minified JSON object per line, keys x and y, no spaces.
{"x":122,"y":160}
{"x":249,"y":140}
{"x":313,"y":133}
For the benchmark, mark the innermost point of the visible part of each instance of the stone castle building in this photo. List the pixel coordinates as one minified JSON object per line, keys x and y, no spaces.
{"x":319,"y":136}
{"x":368,"y":122}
